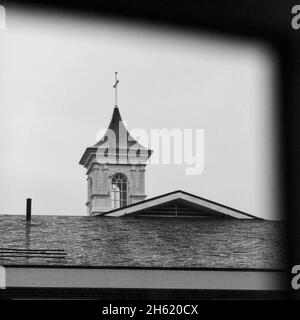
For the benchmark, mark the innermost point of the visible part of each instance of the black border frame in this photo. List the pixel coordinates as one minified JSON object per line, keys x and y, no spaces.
{"x":268,"y":21}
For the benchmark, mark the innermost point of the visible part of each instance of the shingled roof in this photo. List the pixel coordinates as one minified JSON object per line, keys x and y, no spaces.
{"x":141,"y":242}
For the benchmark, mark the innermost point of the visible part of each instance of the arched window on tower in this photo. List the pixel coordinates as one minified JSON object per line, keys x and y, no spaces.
{"x":118,"y":191}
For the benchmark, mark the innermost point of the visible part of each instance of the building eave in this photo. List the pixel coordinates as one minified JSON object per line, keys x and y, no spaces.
{"x":146,"y":278}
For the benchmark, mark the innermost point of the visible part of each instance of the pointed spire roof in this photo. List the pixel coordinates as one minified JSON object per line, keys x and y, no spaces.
{"x":117,"y":141}
{"x":123,"y":140}
{"x":115,"y":120}
{"x":123,"y":137}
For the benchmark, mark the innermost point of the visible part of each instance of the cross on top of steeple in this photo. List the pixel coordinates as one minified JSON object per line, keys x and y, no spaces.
{"x":116,"y":89}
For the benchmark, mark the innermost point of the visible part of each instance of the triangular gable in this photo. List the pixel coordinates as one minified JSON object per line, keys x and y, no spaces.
{"x":205,"y":207}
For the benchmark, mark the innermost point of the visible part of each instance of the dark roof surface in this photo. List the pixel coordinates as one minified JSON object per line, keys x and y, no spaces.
{"x":143,"y":242}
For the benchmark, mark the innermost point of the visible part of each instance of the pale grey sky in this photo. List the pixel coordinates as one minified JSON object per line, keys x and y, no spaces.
{"x":56,"y":77}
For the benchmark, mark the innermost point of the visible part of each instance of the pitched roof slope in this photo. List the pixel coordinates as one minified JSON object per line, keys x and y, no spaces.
{"x":190,"y":199}
{"x":144,"y":242}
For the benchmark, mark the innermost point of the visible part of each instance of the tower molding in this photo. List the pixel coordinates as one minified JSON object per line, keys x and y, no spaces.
{"x":107,"y":158}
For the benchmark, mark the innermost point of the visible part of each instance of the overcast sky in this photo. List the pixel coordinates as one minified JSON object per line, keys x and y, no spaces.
{"x":56,"y":77}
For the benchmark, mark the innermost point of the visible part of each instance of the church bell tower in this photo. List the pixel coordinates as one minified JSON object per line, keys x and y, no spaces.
{"x":115,"y":167}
